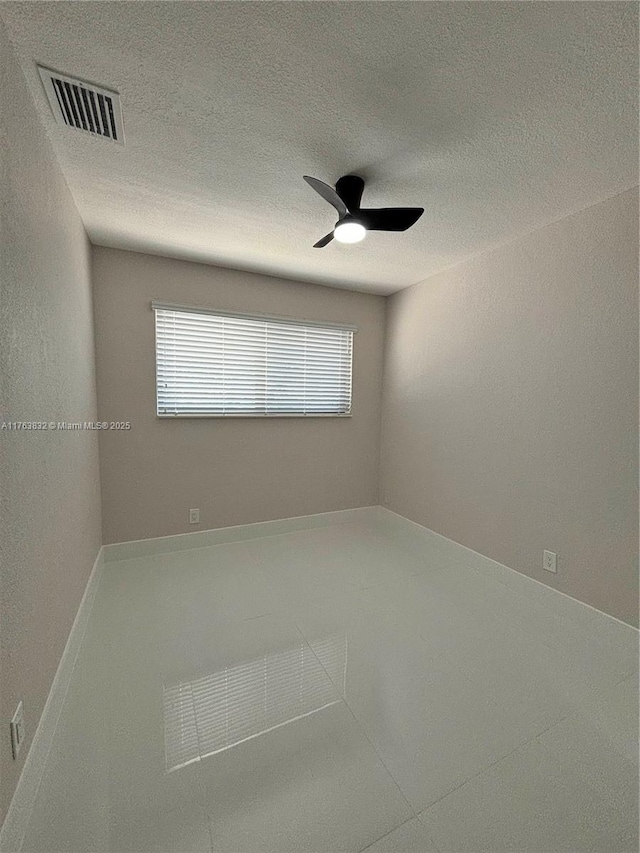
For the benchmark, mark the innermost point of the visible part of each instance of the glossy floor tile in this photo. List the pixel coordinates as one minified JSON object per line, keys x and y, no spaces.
{"x":410,"y":837}
{"x":572,"y":788}
{"x":348,"y":687}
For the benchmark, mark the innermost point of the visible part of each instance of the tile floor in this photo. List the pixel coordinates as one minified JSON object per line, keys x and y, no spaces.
{"x":354,"y":687}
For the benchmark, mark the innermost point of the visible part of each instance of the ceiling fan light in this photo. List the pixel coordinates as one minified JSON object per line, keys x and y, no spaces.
{"x":349,"y":232}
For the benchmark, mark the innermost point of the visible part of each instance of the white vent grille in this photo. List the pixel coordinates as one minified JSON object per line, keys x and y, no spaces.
{"x":83,"y":106}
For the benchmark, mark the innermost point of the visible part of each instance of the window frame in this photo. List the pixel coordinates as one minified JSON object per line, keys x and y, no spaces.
{"x":291,"y":321}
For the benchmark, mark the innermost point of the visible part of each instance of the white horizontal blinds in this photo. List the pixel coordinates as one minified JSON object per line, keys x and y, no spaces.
{"x":308,"y":369}
{"x":207,"y":364}
{"x":218,"y":364}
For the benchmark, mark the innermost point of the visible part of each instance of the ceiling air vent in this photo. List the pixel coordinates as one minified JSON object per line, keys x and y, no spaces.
{"x":84,"y":106}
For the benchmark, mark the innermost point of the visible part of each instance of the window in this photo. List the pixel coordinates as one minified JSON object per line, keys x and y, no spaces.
{"x":216,"y":364}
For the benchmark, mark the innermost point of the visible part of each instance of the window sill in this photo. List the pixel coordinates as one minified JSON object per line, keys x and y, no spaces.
{"x":252,"y":416}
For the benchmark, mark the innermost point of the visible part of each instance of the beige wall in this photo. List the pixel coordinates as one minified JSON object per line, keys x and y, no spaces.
{"x":236,"y":470}
{"x":49,"y":510}
{"x":510,"y":414}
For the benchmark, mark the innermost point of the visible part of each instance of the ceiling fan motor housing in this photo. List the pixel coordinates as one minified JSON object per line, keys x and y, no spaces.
{"x":350,"y":188}
{"x":349,"y":218}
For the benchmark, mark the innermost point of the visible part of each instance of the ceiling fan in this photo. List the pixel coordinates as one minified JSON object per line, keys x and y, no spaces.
{"x":355,"y":221}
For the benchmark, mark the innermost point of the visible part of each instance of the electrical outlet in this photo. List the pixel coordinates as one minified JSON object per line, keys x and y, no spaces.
{"x":194,"y":516}
{"x":549,"y":561}
{"x":18,"y":731}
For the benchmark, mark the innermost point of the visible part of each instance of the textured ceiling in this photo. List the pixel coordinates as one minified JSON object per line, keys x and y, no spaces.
{"x":496,"y":117}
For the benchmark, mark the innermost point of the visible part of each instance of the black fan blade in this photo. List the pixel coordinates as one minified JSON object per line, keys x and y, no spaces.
{"x":390,"y":218}
{"x":322,"y":243}
{"x":350,"y":190}
{"x":328,"y":194}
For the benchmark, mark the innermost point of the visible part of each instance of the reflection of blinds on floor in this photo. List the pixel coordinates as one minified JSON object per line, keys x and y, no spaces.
{"x":332,"y":654}
{"x":218,"y":711}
